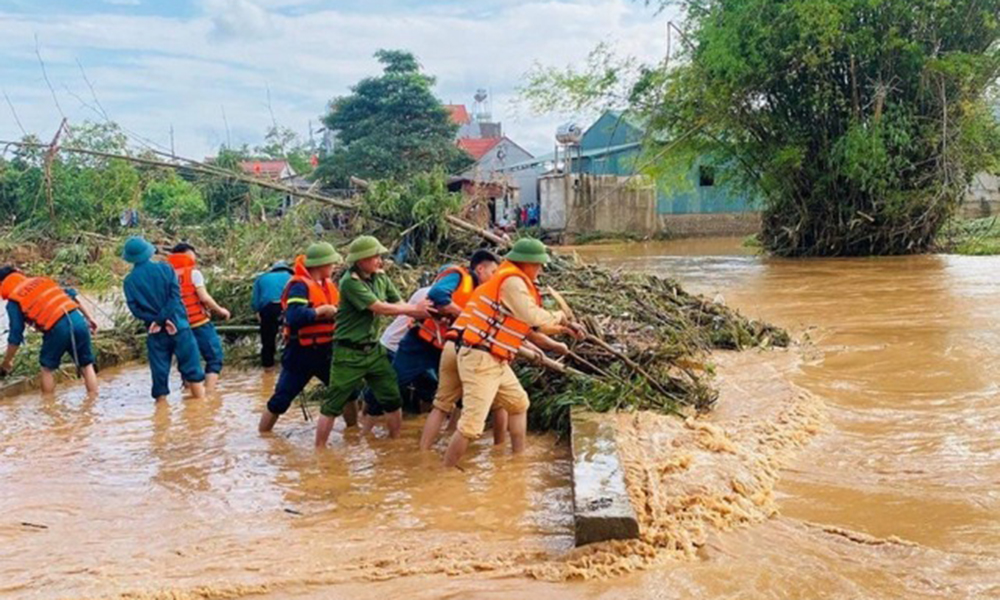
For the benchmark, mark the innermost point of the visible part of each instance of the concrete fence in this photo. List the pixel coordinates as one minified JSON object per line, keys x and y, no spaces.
{"x":579,"y":203}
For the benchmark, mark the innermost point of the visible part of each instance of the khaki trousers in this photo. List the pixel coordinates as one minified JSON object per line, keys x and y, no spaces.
{"x":449,"y":389}
{"x":487,"y":382}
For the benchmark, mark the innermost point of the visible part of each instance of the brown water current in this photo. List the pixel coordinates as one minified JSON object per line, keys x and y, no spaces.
{"x":863,"y":463}
{"x":898,"y":496}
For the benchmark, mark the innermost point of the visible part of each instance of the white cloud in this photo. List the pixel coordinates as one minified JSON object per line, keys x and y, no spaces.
{"x":123,"y":2}
{"x":240,"y":20}
{"x":150,"y":72}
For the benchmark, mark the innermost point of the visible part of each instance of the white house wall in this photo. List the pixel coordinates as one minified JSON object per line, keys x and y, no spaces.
{"x":490,"y":167}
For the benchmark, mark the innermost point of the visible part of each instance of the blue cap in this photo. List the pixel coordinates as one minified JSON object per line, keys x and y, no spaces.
{"x":280,"y":266}
{"x":137,"y":250}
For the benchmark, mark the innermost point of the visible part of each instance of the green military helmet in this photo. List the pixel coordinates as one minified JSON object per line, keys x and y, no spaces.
{"x":365,"y":246}
{"x":321,"y":254}
{"x":528,"y":250}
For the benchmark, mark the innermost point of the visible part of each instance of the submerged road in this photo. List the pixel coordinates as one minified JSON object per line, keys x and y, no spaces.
{"x":894,"y":495}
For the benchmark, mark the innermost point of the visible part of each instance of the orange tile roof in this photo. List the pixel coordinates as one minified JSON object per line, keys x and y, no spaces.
{"x":478,"y":147}
{"x":264,"y":168}
{"x":459,"y":114}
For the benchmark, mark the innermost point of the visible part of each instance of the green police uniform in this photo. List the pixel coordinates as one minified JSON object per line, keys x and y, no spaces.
{"x":357,"y":356}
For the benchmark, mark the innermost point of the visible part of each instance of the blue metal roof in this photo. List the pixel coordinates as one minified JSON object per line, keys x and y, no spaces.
{"x":595,"y":152}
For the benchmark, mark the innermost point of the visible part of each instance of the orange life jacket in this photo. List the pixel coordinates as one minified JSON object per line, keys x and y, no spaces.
{"x":487,"y":324}
{"x":184,"y":265}
{"x":432,"y":330}
{"x":41,"y":300}
{"x":320,"y":294}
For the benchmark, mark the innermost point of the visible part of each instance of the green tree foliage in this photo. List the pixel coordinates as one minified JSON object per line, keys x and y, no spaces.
{"x":282,"y":143}
{"x":390,"y":126}
{"x":857,"y":123}
{"x":175,"y":200}
{"x":418,"y":206}
{"x":225,"y":197}
{"x":87,"y":192}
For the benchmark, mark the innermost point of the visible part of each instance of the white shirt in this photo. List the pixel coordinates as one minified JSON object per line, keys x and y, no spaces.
{"x":197,"y":278}
{"x":400,"y":325}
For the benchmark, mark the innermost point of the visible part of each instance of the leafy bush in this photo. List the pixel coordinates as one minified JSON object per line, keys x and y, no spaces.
{"x":174,"y":199}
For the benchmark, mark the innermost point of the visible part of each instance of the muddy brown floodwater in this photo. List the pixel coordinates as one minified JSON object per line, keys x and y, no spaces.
{"x":863,"y":464}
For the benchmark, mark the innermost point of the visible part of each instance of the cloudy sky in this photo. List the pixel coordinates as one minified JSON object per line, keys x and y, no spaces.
{"x":155,"y":64}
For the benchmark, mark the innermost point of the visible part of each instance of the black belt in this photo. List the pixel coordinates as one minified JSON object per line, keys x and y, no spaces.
{"x":363,"y":347}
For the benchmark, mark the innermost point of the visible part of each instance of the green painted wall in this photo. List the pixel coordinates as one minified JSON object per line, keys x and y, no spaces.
{"x":695,"y":199}
{"x":609,"y":130}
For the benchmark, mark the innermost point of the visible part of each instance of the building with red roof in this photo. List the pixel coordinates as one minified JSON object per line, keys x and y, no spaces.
{"x":477,"y":147}
{"x":275,"y":170}
{"x":458,"y":113}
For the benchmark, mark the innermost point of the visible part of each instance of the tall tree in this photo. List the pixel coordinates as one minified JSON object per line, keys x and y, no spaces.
{"x":859,"y":124}
{"x":282,"y":142}
{"x":391,"y":126}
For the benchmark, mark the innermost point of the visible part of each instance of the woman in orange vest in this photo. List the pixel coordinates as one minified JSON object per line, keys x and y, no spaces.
{"x":65,"y":325}
{"x":501,"y":316}
{"x":309,"y":303}
{"x":200,"y":306}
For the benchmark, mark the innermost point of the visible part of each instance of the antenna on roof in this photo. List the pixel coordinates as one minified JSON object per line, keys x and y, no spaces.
{"x":481,"y":108}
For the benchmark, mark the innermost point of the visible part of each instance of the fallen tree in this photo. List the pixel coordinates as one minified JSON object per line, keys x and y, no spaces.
{"x":649,"y":340}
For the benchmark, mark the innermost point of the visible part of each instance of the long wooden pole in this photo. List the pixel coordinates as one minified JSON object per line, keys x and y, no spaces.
{"x":197,"y":167}
{"x":593,"y":339}
{"x":460,"y":223}
{"x":205,"y":169}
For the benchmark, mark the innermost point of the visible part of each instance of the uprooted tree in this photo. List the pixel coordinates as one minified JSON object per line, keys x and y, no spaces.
{"x":858,"y":124}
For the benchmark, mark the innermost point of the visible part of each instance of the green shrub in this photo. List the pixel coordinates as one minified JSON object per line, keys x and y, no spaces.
{"x":174,"y":200}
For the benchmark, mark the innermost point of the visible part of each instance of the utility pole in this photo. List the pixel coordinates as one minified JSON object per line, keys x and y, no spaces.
{"x":172,"y":152}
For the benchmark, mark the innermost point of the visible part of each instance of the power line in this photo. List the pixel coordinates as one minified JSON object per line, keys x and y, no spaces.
{"x":45,"y":75}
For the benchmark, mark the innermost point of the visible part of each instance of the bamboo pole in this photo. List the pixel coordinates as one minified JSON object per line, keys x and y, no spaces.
{"x":457,"y":222}
{"x":489,"y":235}
{"x":197,"y":167}
{"x":539,"y":358}
{"x":655,"y":383}
{"x":237,"y":329}
{"x":205,"y":169}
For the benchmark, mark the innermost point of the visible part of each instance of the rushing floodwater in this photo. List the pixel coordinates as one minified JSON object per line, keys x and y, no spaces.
{"x":898,"y":496}
{"x":905,"y":354}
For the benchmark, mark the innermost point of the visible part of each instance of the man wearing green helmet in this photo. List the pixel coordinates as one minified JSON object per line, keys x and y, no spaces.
{"x":309,"y":302}
{"x":365,"y":293}
{"x":499,"y":318}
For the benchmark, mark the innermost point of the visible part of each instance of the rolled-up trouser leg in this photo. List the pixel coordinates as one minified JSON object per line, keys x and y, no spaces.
{"x":298,"y":366}
{"x":349,"y":368}
{"x":486,"y":382}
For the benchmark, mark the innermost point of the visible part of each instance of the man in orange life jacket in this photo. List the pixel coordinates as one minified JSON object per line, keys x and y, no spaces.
{"x":418,"y":355}
{"x":450,"y":295}
{"x":310,"y":306}
{"x":199,"y":305}
{"x":497,"y":320}
{"x":154,"y":296}
{"x":65,"y":324}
